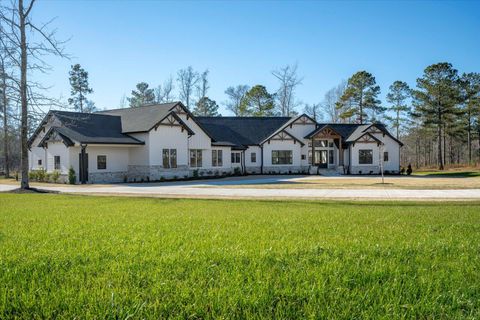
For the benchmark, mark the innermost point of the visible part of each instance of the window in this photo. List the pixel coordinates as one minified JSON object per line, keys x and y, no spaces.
{"x":330,"y":156}
{"x":282,"y":157}
{"x":195,"y":158}
{"x":365,"y":156}
{"x":304,"y":156}
{"x":321,"y":143}
{"x":217,"y":158}
{"x":235,"y":157}
{"x":169,"y":157}
{"x":56,"y":162}
{"x":385,"y":156}
{"x":309,"y":156}
{"x":330,"y":144}
{"x":253,"y":157}
{"x":101,"y":162}
{"x":39,"y":162}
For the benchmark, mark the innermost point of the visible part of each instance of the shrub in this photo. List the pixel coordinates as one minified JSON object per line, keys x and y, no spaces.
{"x":55,"y":176}
{"x":402,"y":170}
{"x":409,"y":169}
{"x":236,"y":171}
{"x":47,"y":177}
{"x":72,"y":178}
{"x":41,"y":175}
{"x":32,"y":175}
{"x":195,"y":173}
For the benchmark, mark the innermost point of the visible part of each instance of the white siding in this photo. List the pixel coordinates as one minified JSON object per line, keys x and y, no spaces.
{"x":140,"y":155}
{"x":282,"y":145}
{"x":248,"y":156}
{"x":58,"y":149}
{"x":166,"y":137}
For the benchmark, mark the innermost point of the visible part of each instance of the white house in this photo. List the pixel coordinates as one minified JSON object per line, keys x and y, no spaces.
{"x":166,"y":141}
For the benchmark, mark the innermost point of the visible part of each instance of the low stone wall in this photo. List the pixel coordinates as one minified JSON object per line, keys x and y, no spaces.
{"x":364,"y":170}
{"x":213,"y":172}
{"x":285,"y":170}
{"x":107,"y":177}
{"x":253,"y":170}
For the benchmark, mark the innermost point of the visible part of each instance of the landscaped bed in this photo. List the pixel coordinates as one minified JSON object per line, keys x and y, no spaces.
{"x":90,"y":257}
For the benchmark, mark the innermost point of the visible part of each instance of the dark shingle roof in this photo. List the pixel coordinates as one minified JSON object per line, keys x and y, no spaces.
{"x":141,"y":119}
{"x":92,"y":128}
{"x":241,"y":131}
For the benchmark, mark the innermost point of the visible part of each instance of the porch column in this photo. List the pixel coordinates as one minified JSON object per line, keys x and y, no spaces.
{"x":313,"y":154}
{"x":340,"y":148}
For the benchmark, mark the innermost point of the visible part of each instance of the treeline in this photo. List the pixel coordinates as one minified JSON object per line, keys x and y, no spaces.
{"x":191,"y":87}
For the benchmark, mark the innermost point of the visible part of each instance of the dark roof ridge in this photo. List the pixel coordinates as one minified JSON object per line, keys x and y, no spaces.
{"x":144,"y":106}
{"x":244,"y":117}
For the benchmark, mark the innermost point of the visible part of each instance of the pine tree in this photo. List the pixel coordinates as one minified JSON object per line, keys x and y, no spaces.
{"x":258,"y":102}
{"x":142,"y":96}
{"x":435,"y":101}
{"x":206,"y":107}
{"x":80,"y":89}
{"x":470,"y":85}
{"x":360,"y":96}
{"x":398,"y":95}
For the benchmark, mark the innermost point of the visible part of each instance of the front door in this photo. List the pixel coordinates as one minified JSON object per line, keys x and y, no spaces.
{"x":321,"y":158}
{"x":83,"y":167}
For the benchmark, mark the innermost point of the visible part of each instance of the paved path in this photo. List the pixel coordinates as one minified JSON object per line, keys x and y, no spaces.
{"x":203,"y":190}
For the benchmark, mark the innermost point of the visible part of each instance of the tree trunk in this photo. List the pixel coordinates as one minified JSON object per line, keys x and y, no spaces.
{"x":5,"y":121}
{"x":23,"y":97}
{"x":469,"y":138}
{"x":439,"y":133}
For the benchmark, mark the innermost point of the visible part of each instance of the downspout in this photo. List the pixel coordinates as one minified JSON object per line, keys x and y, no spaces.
{"x":261,"y":159}
{"x":243,"y":162}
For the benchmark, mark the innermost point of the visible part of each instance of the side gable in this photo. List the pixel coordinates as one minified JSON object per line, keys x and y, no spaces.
{"x":283,"y":136}
{"x":180,"y":109}
{"x":376,"y":128}
{"x":54,"y":135}
{"x":173,"y":120}
{"x":366,"y":137}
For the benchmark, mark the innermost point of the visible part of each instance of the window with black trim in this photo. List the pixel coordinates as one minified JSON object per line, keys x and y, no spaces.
{"x":253,"y":157}
{"x":385,"y":156}
{"x":169,"y":158}
{"x":365,"y":156}
{"x":236,"y":157}
{"x":282,"y":157}
{"x":101,"y":162}
{"x":330,"y":156}
{"x":39,"y":162}
{"x":56,"y":162}
{"x":217,"y":158}
{"x":196,"y":158}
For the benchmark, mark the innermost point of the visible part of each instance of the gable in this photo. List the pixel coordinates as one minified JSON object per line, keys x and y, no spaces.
{"x":284,"y":136}
{"x":173,"y":120}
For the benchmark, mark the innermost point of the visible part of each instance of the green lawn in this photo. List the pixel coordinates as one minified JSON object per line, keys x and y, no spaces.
{"x":92,"y":257}
{"x":449,"y":174}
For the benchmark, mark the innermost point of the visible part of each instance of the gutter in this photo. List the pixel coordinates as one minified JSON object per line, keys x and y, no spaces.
{"x":261,"y":159}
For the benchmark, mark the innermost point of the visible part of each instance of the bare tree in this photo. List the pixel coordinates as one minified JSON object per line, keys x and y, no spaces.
{"x":314,"y":110}
{"x":30,"y":43}
{"x":235,"y":96}
{"x":203,"y":86}
{"x":123,"y":102}
{"x":285,"y":96}
{"x":330,"y":102}
{"x":187,"y":80}
{"x":164,"y":93}
{"x":4,"y":108}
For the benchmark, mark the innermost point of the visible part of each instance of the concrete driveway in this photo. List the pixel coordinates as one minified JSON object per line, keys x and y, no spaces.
{"x":213,"y":189}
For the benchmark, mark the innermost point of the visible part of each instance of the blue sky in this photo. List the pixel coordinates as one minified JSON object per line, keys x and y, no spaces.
{"x":121,"y":43}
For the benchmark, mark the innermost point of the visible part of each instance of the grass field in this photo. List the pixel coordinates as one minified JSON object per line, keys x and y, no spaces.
{"x":117,"y":258}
